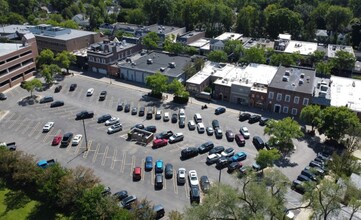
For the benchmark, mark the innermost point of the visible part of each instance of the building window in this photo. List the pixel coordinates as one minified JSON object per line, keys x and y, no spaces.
{"x":294,"y":111}
{"x":305,"y":101}
{"x":296,"y":100}
{"x":285,"y":109}
{"x":287,"y":98}
{"x":270,"y":95}
{"x":279,"y":96}
{"x":98,"y":60}
{"x":103,"y":60}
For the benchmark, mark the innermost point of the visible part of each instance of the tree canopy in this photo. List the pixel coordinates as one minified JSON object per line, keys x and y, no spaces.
{"x":150,"y":40}
{"x":30,"y":85}
{"x":266,"y":158}
{"x":65,"y":59}
{"x":157,"y":82}
{"x":217,"y":56}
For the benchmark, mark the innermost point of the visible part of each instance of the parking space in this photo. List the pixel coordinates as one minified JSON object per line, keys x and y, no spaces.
{"x":111,"y":156}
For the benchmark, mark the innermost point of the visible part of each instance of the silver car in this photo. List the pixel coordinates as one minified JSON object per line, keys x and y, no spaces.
{"x":115,"y":128}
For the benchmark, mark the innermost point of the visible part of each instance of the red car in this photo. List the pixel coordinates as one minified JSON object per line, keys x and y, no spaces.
{"x":159,"y":143}
{"x":56,"y":140}
{"x":137,"y":173}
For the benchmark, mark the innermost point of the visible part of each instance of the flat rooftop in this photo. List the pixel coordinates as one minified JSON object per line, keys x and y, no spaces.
{"x":6,"y":48}
{"x":254,"y":42}
{"x":10,"y":29}
{"x":160,"y":60}
{"x":332,"y":49}
{"x":290,"y":78}
{"x":209,"y":69}
{"x":48,"y":31}
{"x":199,"y":43}
{"x":229,"y":36}
{"x":303,"y":47}
{"x":321,"y":91}
{"x":346,"y":91}
{"x":190,"y":34}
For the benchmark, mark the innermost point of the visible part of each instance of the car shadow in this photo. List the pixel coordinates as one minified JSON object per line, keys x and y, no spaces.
{"x":285,"y":162}
{"x":29,"y":100}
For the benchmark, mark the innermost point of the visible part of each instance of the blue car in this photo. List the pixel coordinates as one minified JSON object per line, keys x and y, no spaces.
{"x":148,"y":164}
{"x":159,"y":166}
{"x":239,"y":156}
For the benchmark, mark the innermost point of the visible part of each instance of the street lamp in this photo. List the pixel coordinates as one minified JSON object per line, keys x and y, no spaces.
{"x":86,"y":139}
{"x":219,"y":181}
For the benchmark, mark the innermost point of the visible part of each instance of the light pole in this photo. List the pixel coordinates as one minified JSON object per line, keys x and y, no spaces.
{"x":219,"y":181}
{"x":86,"y":139}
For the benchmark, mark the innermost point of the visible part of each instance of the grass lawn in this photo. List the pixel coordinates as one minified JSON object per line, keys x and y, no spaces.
{"x":18,"y":207}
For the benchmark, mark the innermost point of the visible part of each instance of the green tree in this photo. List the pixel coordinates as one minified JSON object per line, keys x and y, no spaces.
{"x":266,"y":158}
{"x":284,"y":20}
{"x":199,"y":63}
{"x":48,"y":72}
{"x":175,"y":215}
{"x":157,"y":82}
{"x":135,"y":16}
{"x":283,"y":59}
{"x":69,"y":24}
{"x":31,"y":85}
{"x":234,"y":49}
{"x":335,"y":121}
{"x":344,"y":164}
{"x":189,"y":70}
{"x":15,"y":18}
{"x":282,"y":132}
{"x":337,"y":18}
{"x":65,"y":59}
{"x":46,"y":57}
{"x":324,"y":68}
{"x":248,"y":20}
{"x":217,"y":56}
{"x":310,"y":115}
{"x":150,"y":40}
{"x":317,"y":56}
{"x":343,"y":60}
{"x":178,"y":88}
{"x":254,"y":55}
{"x":353,"y":138}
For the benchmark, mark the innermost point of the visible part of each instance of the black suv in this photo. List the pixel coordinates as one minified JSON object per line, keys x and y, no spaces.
{"x":164,"y":135}
{"x":205,"y":147}
{"x":222,"y":163}
{"x":189,"y":152}
{"x":254,"y":119}
{"x":263,"y":121}
{"x":258,"y":142}
{"x":66,"y":139}
{"x":46,"y":99}
{"x":104,"y":118}
{"x":56,"y":104}
{"x":195,"y":194}
{"x":58,"y":88}
{"x":127,"y":108}
{"x":244,"y":116}
{"x":84,"y":115}
{"x":120,"y":106}
{"x":215,"y":124}
{"x":141,"y":111}
{"x":149,"y":114}
{"x":103,"y":95}
{"x":168,"y":171}
{"x":174,"y":118}
{"x":72,"y":87}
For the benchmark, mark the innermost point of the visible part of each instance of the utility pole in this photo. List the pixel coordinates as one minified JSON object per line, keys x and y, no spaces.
{"x":86,"y":139}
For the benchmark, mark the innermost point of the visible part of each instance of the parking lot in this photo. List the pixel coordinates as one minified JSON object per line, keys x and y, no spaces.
{"x":113,"y":157}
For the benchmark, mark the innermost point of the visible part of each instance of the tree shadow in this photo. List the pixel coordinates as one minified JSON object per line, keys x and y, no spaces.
{"x":15,"y":200}
{"x":29,"y":100}
{"x":42,"y":212}
{"x":285,"y":162}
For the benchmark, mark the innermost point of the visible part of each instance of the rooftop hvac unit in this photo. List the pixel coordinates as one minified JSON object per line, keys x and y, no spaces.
{"x":302,"y":75}
{"x":149,"y":61}
{"x":285,"y":79}
{"x":287,"y":73}
{"x":162,"y":69}
{"x":172,"y":65}
{"x":324,"y":88}
{"x":322,"y":94}
{"x":300,"y":82}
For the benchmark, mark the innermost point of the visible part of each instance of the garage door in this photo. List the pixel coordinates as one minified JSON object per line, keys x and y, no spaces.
{"x":102,"y":71}
{"x":139,"y":77}
{"x":94,"y":69}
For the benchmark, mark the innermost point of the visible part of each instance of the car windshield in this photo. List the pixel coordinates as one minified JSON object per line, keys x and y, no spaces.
{"x":193,"y":178}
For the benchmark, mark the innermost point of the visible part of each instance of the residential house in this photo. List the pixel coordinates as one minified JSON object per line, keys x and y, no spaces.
{"x":218,"y":43}
{"x":190,"y":37}
{"x":81,"y":20}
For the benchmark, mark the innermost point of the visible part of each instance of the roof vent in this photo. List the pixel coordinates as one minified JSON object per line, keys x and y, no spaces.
{"x":149,"y":61}
{"x":285,"y":79}
{"x":293,"y":84}
{"x":162,"y":69}
{"x":172,"y":64}
{"x":353,"y":84}
{"x":302,"y":75}
{"x":287,"y":73}
{"x":300,"y":82}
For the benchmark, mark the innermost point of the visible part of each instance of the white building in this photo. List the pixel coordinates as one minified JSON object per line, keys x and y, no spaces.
{"x":219,"y":42}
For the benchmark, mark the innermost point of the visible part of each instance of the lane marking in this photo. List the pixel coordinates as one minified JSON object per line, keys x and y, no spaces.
{"x":27,"y":128}
{"x":122,"y":166}
{"x":14,"y":122}
{"x":21,"y":125}
{"x":85,"y":155}
{"x":48,"y":134}
{"x":34,"y":129}
{"x":143,"y":173}
{"x":96,"y":152}
{"x":175,"y":184}
{"x":105,"y":155}
{"x":152,"y":176}
{"x":114,"y":159}
{"x":186,"y":188}
{"x":7,"y":119}
{"x":132,"y":165}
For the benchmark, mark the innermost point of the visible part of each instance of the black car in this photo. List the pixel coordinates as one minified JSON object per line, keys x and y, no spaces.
{"x":84,"y":115}
{"x":303,"y":178}
{"x":3,"y":96}
{"x":139,"y":126}
{"x":263,"y":121}
{"x":174,"y":118}
{"x":309,"y":174}
{"x":222,"y":163}
{"x":73,"y":87}
{"x":168,"y":171}
{"x":219,"y":110}
{"x":215,"y":124}
{"x":58,"y":88}
{"x":158,"y":181}
{"x":127,"y":108}
{"x":66,"y":139}
{"x":141,"y":111}
{"x":298,"y":186}
{"x":205,"y":147}
{"x":47,"y":99}
{"x":121,"y":195}
{"x":234,"y":166}
{"x":102,"y":95}
{"x":205,"y":184}
{"x":182,"y":122}
{"x":149,"y":114}
{"x":216,"y":150}
{"x":230,"y":135}
{"x":254,"y":119}
{"x":195,"y":194}
{"x":104,"y":118}
{"x":56,"y":104}
{"x":134,"y":110}
{"x":151,"y":128}
{"x":244,"y":116}
{"x":127,"y":202}
{"x":120,"y":106}
{"x":106,"y":191}
{"x":189,"y":152}
{"x":164,"y":135}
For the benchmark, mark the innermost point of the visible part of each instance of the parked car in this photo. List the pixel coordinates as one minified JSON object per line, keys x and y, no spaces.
{"x":47,"y":127}
{"x":127,"y":108}
{"x":212,"y":158}
{"x":159,"y":166}
{"x":182,"y":122}
{"x":239,"y":156}
{"x":174,"y":118}
{"x":120,"y":106}
{"x":112,"y":121}
{"x":56,"y":140}
{"x":104,"y":118}
{"x":216,"y":150}
{"x":149,"y":114}
{"x":240,"y":140}
{"x":189,"y":152}
{"x":254,"y":119}
{"x":222,"y":162}
{"x":263,"y":121}
{"x":121,"y":195}
{"x":181,"y":176}
{"x":200,"y":128}
{"x":176,"y":138}
{"x":159,"y":143}
{"x":134,"y":111}
{"x":316,"y":170}
{"x":215,"y":124}
{"x":303,"y":178}
{"x":193,"y":178}
{"x":205,"y":184}
{"x":58,"y":88}
{"x":245,"y":132}
{"x":103,"y":95}
{"x":158,"y":181}
{"x":194,"y":194}
{"x":244,"y":116}
{"x":115,"y":128}
{"x":205,"y":147}
{"x":316,"y":164}
{"x":258,"y":142}
{"x":137,"y":174}
{"x":230,"y":135}
{"x":90,"y":92}
{"x":158,"y":115}
{"x":148,"y":164}
{"x":151,"y":128}
{"x":76,"y":140}
{"x":228,"y":152}
{"x":219,"y":110}
{"x":218,"y":133}
{"x":209,"y":131}
{"x":166,"y":116}
{"x":46,"y":99}
{"x":3,"y":97}
{"x":67,"y":137}
{"x":139,"y":126}
{"x":72,"y":87}
{"x":191,"y":125}
{"x":128,"y":202}
{"x":309,"y":174}
{"x":168,"y":172}
{"x":164,"y":135}
{"x":234,"y":166}
{"x":141,"y":111}
{"x":56,"y":104}
{"x":298,"y":186}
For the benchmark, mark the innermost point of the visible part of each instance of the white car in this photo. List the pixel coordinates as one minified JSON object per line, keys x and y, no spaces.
{"x":166,"y":116}
{"x":176,"y":137}
{"x":244,"y":131}
{"x":90,"y":92}
{"x":76,"y":140}
{"x":200,"y":127}
{"x":48,"y":126}
{"x":181,"y":176}
{"x":115,"y":128}
{"x":193,"y":178}
{"x":191,"y":125}
{"x":112,"y":121}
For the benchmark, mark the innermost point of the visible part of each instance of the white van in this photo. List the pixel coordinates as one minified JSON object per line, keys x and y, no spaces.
{"x":198,"y":118}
